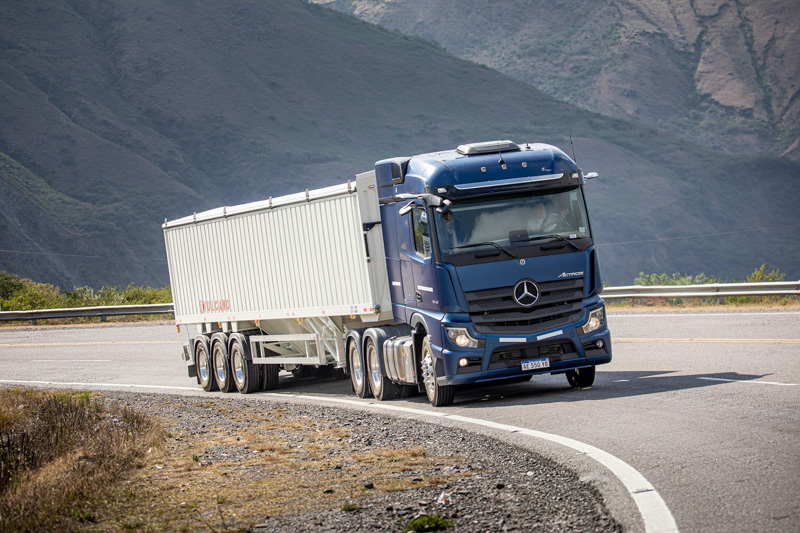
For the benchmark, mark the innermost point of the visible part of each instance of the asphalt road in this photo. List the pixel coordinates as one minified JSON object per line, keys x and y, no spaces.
{"x":706,"y":406}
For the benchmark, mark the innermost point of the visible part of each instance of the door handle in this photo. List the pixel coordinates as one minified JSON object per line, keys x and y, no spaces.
{"x":419,"y":296}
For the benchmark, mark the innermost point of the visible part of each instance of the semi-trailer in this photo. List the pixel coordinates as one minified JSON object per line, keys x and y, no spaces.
{"x":425,"y":274}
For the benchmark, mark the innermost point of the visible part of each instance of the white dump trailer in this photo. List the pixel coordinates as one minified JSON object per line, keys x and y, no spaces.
{"x":293,"y":272}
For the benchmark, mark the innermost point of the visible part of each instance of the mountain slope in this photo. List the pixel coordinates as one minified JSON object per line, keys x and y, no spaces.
{"x":116,"y":115}
{"x":720,"y":72}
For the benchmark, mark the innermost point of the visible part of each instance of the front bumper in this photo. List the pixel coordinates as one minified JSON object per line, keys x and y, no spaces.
{"x":502,"y":356}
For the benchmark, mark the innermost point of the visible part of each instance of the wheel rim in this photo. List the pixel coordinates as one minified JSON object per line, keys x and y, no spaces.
{"x":374,"y":368}
{"x":428,"y":374}
{"x":202,"y":365}
{"x":237,"y":361}
{"x":355,"y":367}
{"x":219,"y":363}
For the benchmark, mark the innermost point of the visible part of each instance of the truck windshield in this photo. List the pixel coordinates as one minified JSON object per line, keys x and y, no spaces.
{"x":510,"y":224}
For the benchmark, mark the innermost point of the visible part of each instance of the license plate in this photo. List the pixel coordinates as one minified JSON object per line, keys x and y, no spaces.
{"x":536,"y":364}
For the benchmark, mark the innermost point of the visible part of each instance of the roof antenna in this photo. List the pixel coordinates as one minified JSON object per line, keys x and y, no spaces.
{"x":574,"y":157}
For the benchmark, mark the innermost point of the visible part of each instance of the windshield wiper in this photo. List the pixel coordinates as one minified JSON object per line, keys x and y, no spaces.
{"x":487,"y":243}
{"x":553,"y":236}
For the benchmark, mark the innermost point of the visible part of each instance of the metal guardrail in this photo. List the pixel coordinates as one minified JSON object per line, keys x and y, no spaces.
{"x":710,"y":290}
{"x":80,"y":312}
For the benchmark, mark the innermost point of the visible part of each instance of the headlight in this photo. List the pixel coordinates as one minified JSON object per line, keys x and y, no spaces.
{"x":461,"y":337}
{"x":596,"y":319}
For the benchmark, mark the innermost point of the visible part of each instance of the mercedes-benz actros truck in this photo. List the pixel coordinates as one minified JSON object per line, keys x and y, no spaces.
{"x":426,"y":274}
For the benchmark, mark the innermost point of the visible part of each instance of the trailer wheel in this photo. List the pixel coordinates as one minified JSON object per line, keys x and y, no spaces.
{"x":222,"y":369}
{"x":244,"y":373}
{"x":382,"y":387}
{"x":269,"y":377}
{"x":581,"y":378}
{"x":355,"y":361}
{"x":438,"y":395}
{"x":203,"y":363}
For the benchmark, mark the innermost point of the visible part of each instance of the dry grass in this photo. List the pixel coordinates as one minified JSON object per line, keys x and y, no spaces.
{"x":221,"y":480}
{"x":59,"y":451}
{"x":72,"y":462}
{"x":697,"y":304}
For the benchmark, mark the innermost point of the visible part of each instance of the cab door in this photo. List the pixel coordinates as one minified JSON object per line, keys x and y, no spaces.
{"x":420,"y":261}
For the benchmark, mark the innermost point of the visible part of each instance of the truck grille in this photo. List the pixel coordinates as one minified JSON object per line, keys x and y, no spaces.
{"x":494,"y":311}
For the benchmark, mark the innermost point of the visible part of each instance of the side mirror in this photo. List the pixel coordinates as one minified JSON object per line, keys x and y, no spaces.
{"x":591,"y":176}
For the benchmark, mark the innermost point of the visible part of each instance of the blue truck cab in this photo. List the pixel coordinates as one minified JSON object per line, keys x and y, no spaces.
{"x":492,"y":267}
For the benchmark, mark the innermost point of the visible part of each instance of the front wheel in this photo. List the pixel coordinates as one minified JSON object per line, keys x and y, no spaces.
{"x":581,"y":378}
{"x":438,"y":395}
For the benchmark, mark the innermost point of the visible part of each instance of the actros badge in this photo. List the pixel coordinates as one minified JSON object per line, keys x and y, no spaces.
{"x":526,"y":292}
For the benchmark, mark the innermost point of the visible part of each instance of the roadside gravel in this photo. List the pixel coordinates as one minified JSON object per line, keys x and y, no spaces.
{"x":352,"y":470}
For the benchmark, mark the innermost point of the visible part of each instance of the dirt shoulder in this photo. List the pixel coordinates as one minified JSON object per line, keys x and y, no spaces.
{"x":257,"y":464}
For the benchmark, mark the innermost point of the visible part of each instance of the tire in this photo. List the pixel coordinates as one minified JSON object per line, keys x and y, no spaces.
{"x":222,"y":367}
{"x":382,"y":387}
{"x":438,"y":395}
{"x":245,"y":375}
{"x":355,"y":362}
{"x":302,"y":371}
{"x":202,"y":362}
{"x":269,"y":377}
{"x":581,"y":378}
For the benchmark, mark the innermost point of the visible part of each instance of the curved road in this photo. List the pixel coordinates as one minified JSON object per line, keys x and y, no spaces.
{"x":706,"y":406}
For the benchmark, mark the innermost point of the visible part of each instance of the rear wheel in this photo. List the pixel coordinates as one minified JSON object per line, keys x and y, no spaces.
{"x":202,"y":362}
{"x":581,"y":378}
{"x":222,"y":370}
{"x":356,"y":364}
{"x":245,"y":374}
{"x":438,"y":395}
{"x":382,"y":387}
{"x":269,"y":377}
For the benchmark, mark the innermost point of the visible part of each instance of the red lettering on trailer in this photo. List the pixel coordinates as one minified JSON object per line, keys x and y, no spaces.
{"x":214,"y":306}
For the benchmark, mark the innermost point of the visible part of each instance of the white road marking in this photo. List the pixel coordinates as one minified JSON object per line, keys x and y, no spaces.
{"x":701,"y":339}
{"x":83,"y":343}
{"x":70,"y":361}
{"x":755,"y":382}
{"x":655,"y":514}
{"x":117,"y":385}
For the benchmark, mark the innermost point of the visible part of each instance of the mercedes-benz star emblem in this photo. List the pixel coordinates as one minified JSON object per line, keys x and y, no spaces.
{"x":526,"y":293}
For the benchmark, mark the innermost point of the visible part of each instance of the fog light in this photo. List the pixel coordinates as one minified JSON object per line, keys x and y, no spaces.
{"x":463,"y":362}
{"x":599,"y":344}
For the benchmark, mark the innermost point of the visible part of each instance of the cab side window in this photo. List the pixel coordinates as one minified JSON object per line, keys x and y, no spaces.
{"x":422,"y":236}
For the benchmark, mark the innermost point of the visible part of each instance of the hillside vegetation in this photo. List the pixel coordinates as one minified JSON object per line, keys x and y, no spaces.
{"x":723,"y":73}
{"x":116,"y":115}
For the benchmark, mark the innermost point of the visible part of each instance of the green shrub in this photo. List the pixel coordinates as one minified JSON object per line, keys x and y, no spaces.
{"x":675,"y":279}
{"x":428,"y":522}
{"x":760,"y":275}
{"x":22,"y":294}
